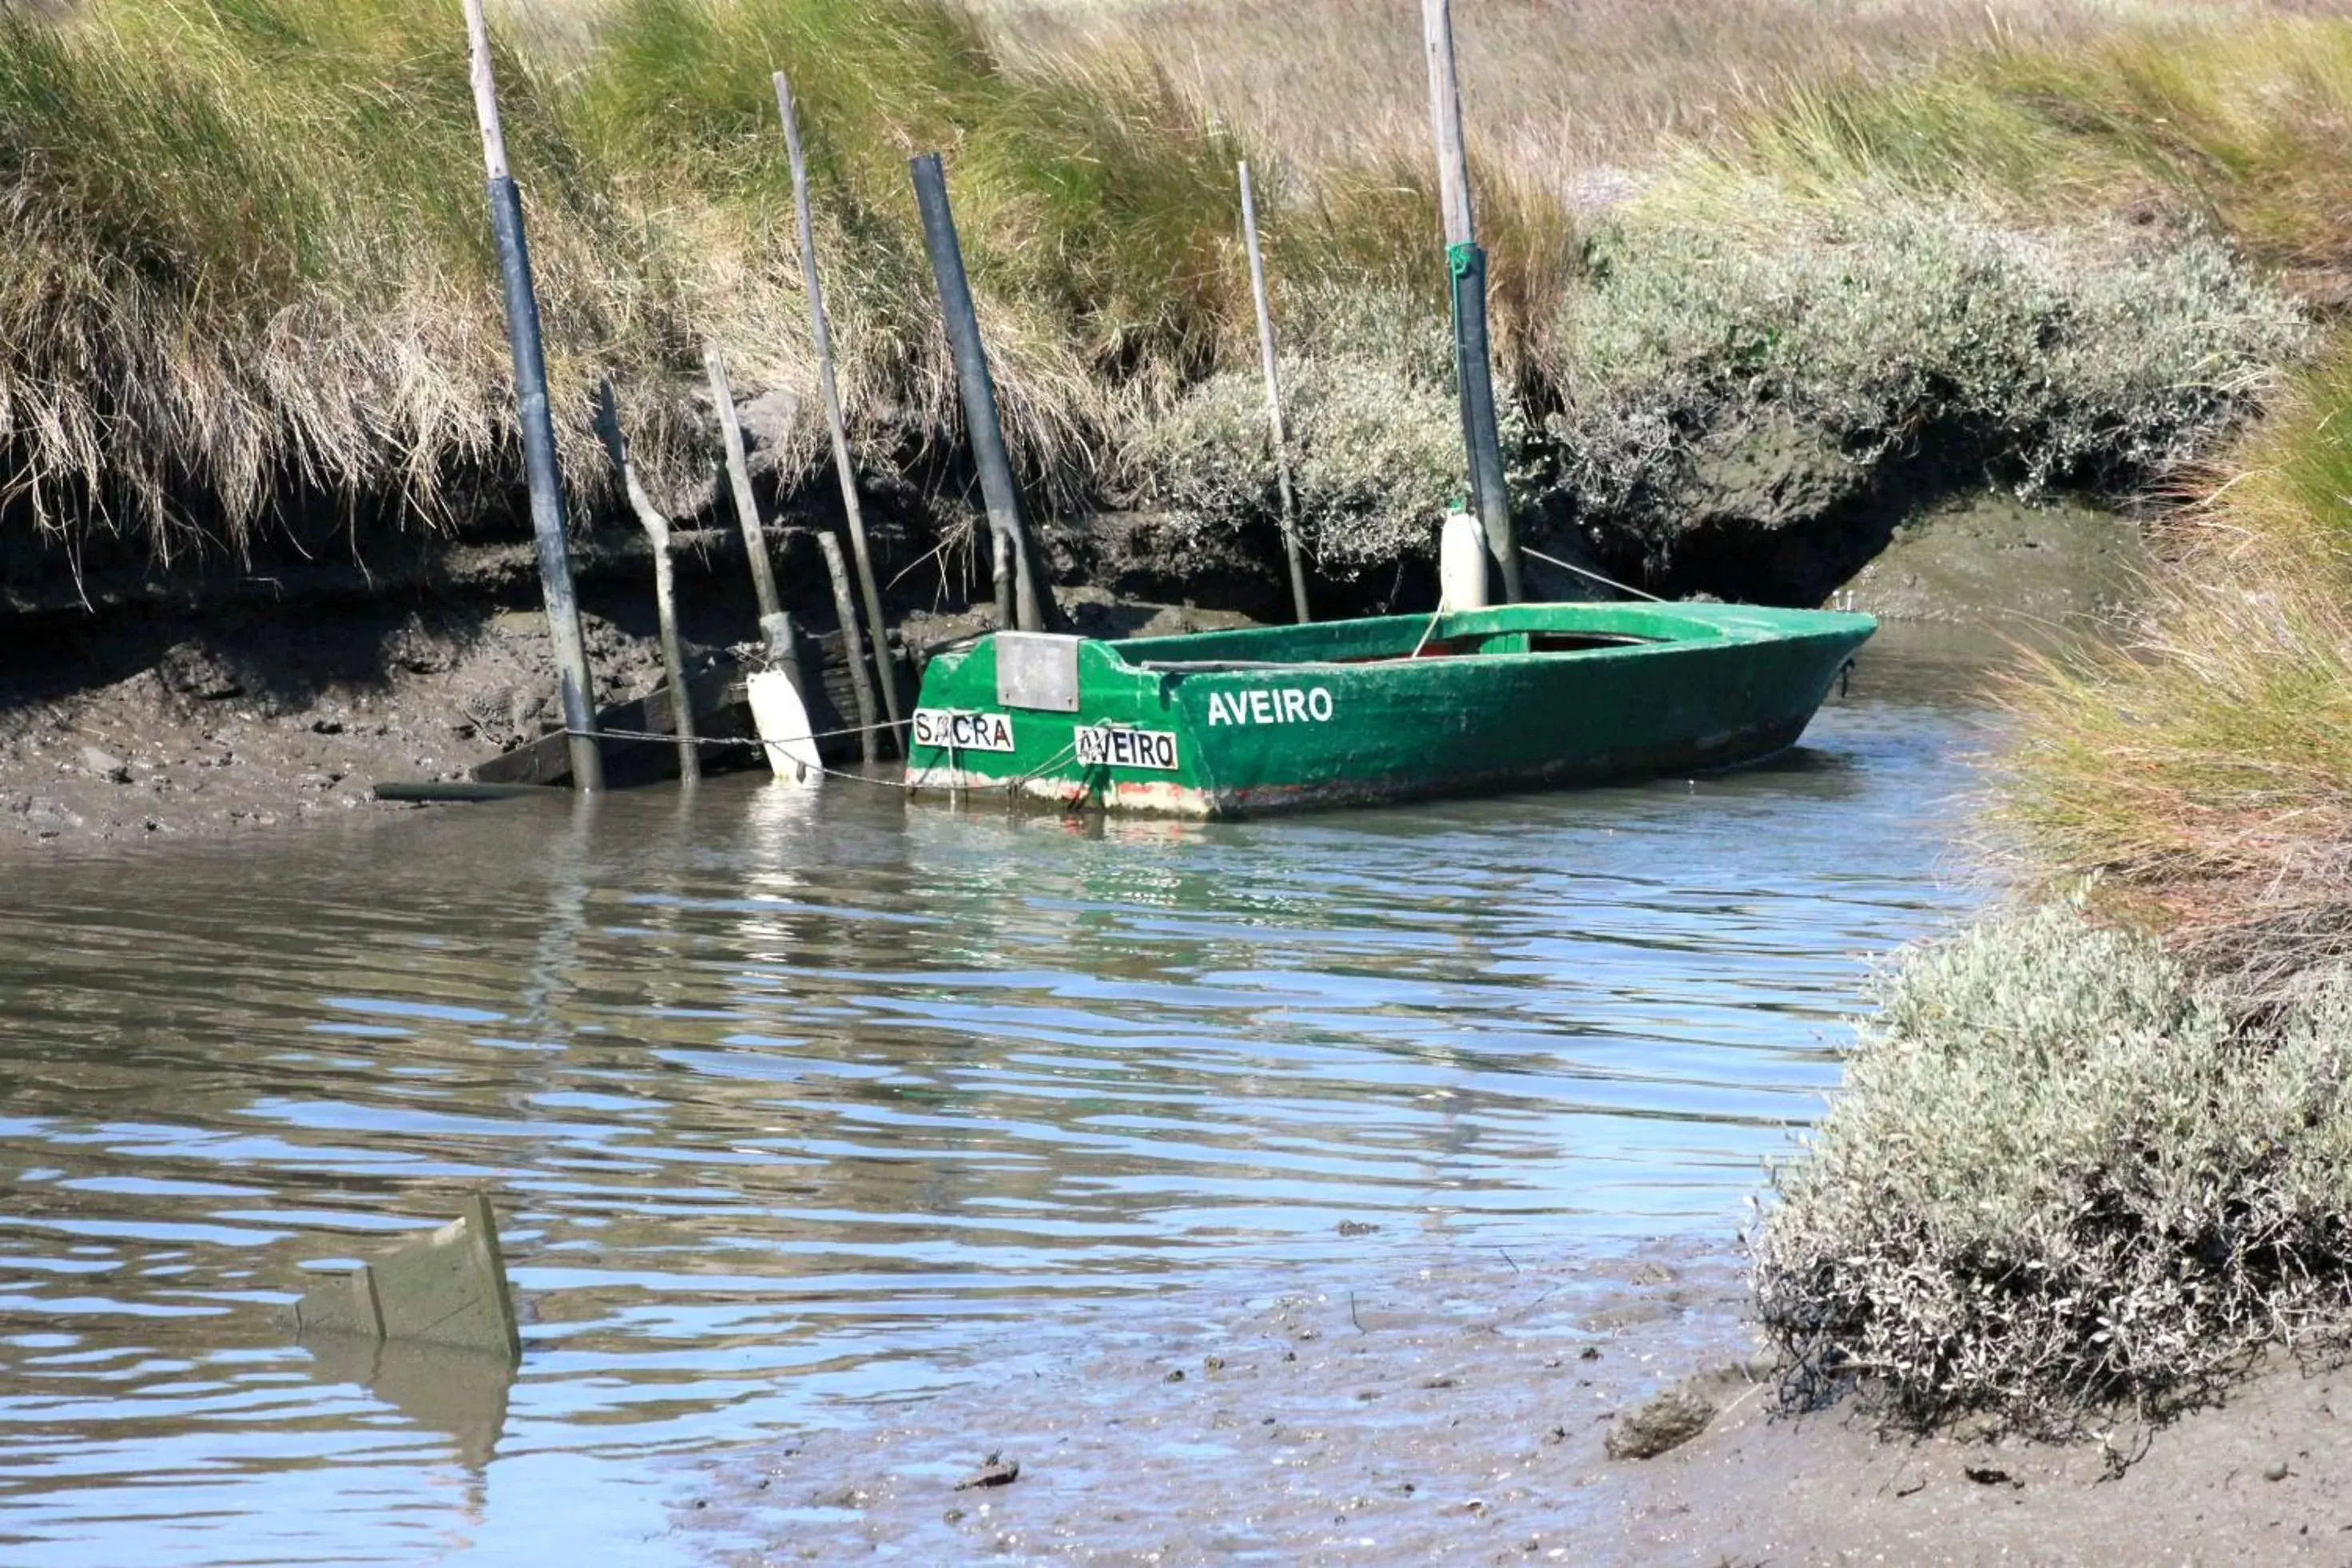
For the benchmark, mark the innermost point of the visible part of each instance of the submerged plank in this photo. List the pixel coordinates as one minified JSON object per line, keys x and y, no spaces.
{"x":448,"y":1287}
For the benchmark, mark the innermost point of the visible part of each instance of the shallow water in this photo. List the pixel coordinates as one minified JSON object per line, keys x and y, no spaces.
{"x":791,"y":1104}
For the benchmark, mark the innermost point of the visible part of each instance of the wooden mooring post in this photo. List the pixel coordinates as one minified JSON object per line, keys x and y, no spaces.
{"x":1018,"y":602}
{"x":1273,"y":402}
{"x":829,"y":388}
{"x":550,"y":528}
{"x":1466,"y":270}
{"x":775,"y":631}
{"x":657,"y":526}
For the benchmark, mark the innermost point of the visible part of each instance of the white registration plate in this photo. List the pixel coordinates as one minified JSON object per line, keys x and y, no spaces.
{"x":963,"y":731}
{"x":1107,"y":745}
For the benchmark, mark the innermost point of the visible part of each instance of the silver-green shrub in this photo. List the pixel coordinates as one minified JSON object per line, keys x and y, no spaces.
{"x":1715,"y":339}
{"x":2104,"y":355}
{"x":1375,"y":435}
{"x":2060,"y":1174}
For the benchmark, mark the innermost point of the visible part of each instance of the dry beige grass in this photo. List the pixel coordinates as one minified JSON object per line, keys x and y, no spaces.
{"x":1566,"y":93}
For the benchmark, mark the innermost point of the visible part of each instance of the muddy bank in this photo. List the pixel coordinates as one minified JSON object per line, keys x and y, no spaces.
{"x":1474,"y":1408}
{"x":189,"y":726}
{"x":2265,"y":1478}
{"x":1988,"y":558}
{"x":201,"y":701}
{"x":158,"y":723}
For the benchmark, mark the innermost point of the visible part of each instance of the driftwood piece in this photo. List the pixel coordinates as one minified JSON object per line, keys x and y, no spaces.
{"x":655,"y":523}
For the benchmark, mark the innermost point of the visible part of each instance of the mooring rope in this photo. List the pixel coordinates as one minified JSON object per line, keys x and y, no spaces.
{"x":1023,"y":782}
{"x":669,"y":738}
{"x":1584,"y":571}
{"x":1434,"y":617}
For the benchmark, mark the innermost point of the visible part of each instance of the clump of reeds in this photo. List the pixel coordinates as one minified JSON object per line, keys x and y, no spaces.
{"x":2064,"y":1176}
{"x":2201,"y":767}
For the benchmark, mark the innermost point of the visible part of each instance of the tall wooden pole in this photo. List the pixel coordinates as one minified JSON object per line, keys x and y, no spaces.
{"x":820,"y":331}
{"x":1466,"y":270}
{"x":657,"y":526}
{"x":1273,"y":402}
{"x":1017,"y":600}
{"x":773,"y":631}
{"x":550,"y":528}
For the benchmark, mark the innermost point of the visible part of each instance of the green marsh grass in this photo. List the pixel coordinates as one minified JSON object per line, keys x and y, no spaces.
{"x":247,"y":251}
{"x":247,"y":265}
{"x":2200,"y":768}
{"x":2244,"y":127}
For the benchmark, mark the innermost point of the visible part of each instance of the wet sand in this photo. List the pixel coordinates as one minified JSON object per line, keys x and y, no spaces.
{"x":1460,"y":1410}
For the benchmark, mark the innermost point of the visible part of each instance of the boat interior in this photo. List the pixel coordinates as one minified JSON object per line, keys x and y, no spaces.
{"x":1501,"y":630}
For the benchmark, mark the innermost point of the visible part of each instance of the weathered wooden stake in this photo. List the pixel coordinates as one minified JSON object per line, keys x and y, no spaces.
{"x":853,"y":644}
{"x":821,"y":332}
{"x":773,"y":630}
{"x":1018,"y":600}
{"x":1273,"y":402}
{"x":551,"y":529}
{"x":657,"y":526}
{"x":1466,"y":266}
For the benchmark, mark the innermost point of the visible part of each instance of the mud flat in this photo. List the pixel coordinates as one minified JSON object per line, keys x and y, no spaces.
{"x":185,"y":727}
{"x":1989,"y":560}
{"x":1465,"y":1405}
{"x":1451,"y":1405}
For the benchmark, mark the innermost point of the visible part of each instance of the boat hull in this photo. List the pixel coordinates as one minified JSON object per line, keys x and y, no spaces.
{"x":1347,"y":713}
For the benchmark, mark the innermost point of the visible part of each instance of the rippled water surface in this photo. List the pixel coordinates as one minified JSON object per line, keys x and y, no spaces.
{"x":788,"y":1102}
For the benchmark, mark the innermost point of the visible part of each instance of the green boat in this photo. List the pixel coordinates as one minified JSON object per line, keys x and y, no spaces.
{"x":1397,"y":707}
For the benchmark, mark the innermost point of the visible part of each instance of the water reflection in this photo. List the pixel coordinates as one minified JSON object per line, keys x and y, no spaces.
{"x":794,"y":1099}
{"x":459,"y":1393}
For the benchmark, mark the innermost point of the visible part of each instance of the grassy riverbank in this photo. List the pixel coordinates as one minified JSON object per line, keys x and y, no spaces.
{"x":248,"y":254}
{"x":249,"y":286}
{"x":2202,"y":771}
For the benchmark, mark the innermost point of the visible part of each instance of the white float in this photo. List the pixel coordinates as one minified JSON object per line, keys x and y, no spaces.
{"x":782,"y":721}
{"x":1462,"y":563}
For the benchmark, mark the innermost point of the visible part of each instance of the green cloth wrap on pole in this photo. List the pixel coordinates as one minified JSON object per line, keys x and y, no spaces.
{"x":1481,"y":434}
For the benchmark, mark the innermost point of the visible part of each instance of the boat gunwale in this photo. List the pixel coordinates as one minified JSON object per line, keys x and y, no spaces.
{"x":1692,"y":633}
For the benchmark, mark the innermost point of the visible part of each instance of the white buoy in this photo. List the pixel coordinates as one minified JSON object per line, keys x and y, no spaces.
{"x":782,"y":721}
{"x":1462,"y":564}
